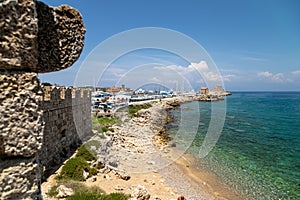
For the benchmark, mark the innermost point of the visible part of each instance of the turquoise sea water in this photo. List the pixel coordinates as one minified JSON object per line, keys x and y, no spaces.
{"x":258,"y":152}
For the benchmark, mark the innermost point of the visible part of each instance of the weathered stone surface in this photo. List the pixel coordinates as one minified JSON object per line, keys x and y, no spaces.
{"x":61,"y":134}
{"x":64,"y":191}
{"x":38,"y":38}
{"x":20,"y":119}
{"x":140,"y":193}
{"x":18,"y":35}
{"x":20,"y":179}
{"x":60,"y":37}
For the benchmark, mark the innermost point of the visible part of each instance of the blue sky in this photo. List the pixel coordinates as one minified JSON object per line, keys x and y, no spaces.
{"x":254,"y":44}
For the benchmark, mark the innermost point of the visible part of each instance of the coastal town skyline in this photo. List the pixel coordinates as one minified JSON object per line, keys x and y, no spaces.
{"x":254,"y":44}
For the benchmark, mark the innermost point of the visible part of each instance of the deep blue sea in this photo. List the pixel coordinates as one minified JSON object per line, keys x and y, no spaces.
{"x":258,"y":152}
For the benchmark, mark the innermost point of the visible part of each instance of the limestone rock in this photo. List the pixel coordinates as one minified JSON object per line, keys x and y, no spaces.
{"x":20,"y":179}
{"x":60,"y":37}
{"x":85,"y":174}
{"x":64,"y":191}
{"x":18,"y":35}
{"x":39,"y":38}
{"x":94,"y":178}
{"x":20,"y":120}
{"x":140,"y":193}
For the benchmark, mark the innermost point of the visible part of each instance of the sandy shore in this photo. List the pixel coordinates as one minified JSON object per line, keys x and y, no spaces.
{"x":136,"y":146}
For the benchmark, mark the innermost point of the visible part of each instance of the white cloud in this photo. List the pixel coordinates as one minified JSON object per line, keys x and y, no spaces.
{"x":296,"y":72}
{"x":155,"y":80}
{"x":249,"y":58}
{"x":228,"y":77}
{"x":265,"y":74}
{"x":117,"y":72}
{"x":201,"y":66}
{"x":279,"y":77}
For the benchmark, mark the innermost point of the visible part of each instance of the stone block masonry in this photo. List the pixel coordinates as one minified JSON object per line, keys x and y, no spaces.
{"x":36,"y":132}
{"x":39,"y":38}
{"x":67,"y":121}
{"x":21,"y":118}
{"x":40,"y":128}
{"x":21,"y":135}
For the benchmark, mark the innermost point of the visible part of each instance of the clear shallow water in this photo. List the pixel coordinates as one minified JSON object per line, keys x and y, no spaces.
{"x":258,"y":152}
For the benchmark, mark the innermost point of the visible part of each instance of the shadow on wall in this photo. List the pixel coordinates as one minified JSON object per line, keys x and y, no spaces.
{"x":62,"y":108}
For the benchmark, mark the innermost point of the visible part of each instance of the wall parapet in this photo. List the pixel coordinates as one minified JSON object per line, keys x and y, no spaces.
{"x":67,"y":120}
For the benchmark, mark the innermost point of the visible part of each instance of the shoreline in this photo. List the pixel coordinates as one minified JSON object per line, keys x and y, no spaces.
{"x":137,"y":147}
{"x":204,"y":179}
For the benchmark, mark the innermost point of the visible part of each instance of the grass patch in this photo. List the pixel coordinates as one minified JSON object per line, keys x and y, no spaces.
{"x":133,"y":109}
{"x":106,"y":121}
{"x":103,"y":124}
{"x":86,"y":154}
{"x":90,"y":195}
{"x":73,"y":170}
{"x":115,"y":196}
{"x":52,"y":192}
{"x":84,"y":196}
{"x":94,"y":193}
{"x":85,"y":150}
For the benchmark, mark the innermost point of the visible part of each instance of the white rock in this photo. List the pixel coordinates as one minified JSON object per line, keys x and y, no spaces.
{"x":64,"y":192}
{"x":140,"y":193}
{"x":85,"y":174}
{"x":107,"y":177}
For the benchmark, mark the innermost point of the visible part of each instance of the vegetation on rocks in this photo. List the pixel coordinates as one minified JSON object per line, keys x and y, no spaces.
{"x":83,"y":192}
{"x":103,"y":124}
{"x":73,"y":169}
{"x":133,"y":109}
{"x":91,"y":195}
{"x":53,"y":192}
{"x":85,"y":151}
{"x":103,"y":121}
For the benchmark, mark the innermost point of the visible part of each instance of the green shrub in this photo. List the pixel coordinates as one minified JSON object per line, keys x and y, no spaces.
{"x":90,"y":143}
{"x":84,"y":195}
{"x":104,"y":129}
{"x":133,"y":109}
{"x":93,"y":171}
{"x":104,"y":121}
{"x":73,"y":169}
{"x":95,"y":193}
{"x":84,"y":151}
{"x":89,"y":195}
{"x":52,"y":192}
{"x":114,"y":196}
{"x":83,"y":192}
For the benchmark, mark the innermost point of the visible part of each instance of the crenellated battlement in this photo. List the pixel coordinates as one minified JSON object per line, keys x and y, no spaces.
{"x":54,"y":93}
{"x":67,"y":121}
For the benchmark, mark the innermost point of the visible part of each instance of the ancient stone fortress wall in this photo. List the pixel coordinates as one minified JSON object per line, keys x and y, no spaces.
{"x":67,"y":121}
{"x":34,"y":38}
{"x":21,"y":135}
